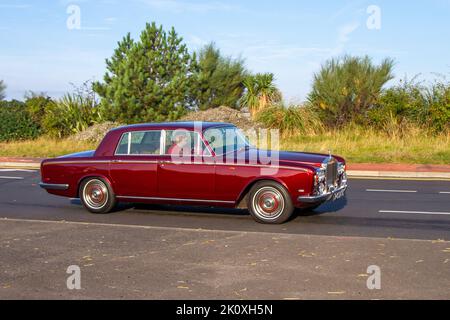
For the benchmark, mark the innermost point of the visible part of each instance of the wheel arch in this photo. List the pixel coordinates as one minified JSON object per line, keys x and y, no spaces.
{"x":92,"y":176}
{"x":242,"y":199}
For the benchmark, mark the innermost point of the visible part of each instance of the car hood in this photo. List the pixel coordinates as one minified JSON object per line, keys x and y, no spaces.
{"x":287,"y":158}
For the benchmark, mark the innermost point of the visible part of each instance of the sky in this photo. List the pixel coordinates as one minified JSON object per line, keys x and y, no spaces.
{"x":46,"y":46}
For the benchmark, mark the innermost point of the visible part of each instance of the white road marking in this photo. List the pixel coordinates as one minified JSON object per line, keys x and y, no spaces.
{"x":11,"y":178}
{"x":415,"y":212}
{"x":444,"y":192}
{"x":17,"y":170}
{"x":399,"y":191}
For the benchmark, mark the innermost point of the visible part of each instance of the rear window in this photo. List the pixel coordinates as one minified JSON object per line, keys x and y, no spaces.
{"x":140,"y":143}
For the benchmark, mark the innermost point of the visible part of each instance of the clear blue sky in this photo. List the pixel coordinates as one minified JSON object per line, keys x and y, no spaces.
{"x":290,"y":38}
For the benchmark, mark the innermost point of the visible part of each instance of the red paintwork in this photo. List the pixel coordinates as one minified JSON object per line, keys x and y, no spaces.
{"x":202,"y":179}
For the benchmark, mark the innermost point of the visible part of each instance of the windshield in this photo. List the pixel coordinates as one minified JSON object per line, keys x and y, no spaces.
{"x":226,"y":139}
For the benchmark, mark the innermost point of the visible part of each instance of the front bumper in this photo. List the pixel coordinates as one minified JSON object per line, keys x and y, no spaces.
{"x":333,"y":195}
{"x":52,"y":186}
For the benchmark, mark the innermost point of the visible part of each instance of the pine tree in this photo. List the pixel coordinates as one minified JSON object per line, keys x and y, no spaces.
{"x":220,"y":79}
{"x":153,"y":79}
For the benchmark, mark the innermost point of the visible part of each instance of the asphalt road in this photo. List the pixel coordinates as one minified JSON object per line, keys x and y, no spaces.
{"x":372,"y":208}
{"x":210,"y":253}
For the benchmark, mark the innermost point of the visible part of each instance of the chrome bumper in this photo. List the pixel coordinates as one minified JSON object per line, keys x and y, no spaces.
{"x":52,"y":186}
{"x":333,"y":195}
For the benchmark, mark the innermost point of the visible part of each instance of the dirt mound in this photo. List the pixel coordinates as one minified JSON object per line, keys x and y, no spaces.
{"x":223,"y":114}
{"x":95,"y":133}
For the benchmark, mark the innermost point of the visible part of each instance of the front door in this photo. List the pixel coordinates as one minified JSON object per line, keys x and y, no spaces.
{"x":186,"y":171}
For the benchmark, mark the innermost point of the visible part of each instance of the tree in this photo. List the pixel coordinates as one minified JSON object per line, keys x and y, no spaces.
{"x":260,"y":93}
{"x":220,"y":79}
{"x":346,"y":88}
{"x":153,"y":79}
{"x":2,"y":90}
{"x":37,"y":104}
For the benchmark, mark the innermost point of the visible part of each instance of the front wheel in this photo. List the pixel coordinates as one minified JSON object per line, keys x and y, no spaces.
{"x":97,"y":195}
{"x":269,"y":202}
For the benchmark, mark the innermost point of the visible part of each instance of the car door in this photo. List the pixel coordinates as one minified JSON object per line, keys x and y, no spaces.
{"x":135,"y":164}
{"x":189,"y":175}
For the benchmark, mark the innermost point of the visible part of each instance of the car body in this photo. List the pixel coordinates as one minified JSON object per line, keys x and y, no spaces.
{"x":137,"y":163}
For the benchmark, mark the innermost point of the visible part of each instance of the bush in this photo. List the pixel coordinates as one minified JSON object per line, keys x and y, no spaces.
{"x":346,"y":88}
{"x":301,"y":119}
{"x":69,"y":115}
{"x":37,"y":104}
{"x":413,"y":103}
{"x":15,"y":122}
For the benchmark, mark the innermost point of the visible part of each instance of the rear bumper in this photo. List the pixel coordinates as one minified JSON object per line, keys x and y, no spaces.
{"x":52,"y":186}
{"x":333,"y":195}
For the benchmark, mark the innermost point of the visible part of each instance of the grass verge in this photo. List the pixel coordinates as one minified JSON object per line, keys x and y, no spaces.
{"x":43,"y":147}
{"x":357,"y":145}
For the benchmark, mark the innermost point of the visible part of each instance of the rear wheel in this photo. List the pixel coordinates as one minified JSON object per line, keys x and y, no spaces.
{"x":269,"y":202}
{"x":97,"y":195}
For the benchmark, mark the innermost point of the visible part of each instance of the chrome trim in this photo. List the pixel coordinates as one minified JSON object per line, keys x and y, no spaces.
{"x":173,"y":199}
{"x":323,"y":197}
{"x":53,"y":186}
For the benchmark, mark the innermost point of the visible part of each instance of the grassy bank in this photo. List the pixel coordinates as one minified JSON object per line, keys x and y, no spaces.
{"x":43,"y":147}
{"x":357,"y":145}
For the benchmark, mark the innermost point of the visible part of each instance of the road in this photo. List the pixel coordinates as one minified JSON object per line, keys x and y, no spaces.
{"x":409,"y":220}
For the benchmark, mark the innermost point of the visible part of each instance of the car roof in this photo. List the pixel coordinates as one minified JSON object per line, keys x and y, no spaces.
{"x":190,"y":125}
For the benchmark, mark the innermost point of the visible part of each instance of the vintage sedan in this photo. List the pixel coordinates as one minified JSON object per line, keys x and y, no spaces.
{"x":195,"y":163}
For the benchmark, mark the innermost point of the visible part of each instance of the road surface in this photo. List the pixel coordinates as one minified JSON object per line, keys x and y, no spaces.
{"x":147,"y":251}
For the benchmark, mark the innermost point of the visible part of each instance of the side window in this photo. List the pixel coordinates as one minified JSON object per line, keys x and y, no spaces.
{"x":122,"y":148}
{"x":183,"y":142}
{"x":140,"y":143}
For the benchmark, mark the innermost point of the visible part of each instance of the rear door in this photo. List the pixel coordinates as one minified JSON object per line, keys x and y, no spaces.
{"x":135,"y":164}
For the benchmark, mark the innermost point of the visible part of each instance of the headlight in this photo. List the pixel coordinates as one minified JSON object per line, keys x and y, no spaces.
{"x":320,"y":182}
{"x":341,"y":168}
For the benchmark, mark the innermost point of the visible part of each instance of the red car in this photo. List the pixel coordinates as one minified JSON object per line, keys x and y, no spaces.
{"x":195,"y":163}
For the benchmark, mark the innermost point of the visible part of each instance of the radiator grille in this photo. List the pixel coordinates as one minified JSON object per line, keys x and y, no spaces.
{"x":332,"y":172}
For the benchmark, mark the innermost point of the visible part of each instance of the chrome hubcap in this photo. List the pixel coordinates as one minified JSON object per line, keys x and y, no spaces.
{"x":95,"y":194}
{"x":268,"y":203}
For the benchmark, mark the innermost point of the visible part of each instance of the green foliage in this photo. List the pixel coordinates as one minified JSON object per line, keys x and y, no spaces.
{"x":16,"y":122}
{"x":260,"y":93}
{"x":346,"y":88}
{"x":37,"y":104}
{"x":2,"y":90}
{"x":415,"y":103}
{"x":220,"y":79}
{"x":71,"y":114}
{"x":293,"y":119}
{"x":152,"y":79}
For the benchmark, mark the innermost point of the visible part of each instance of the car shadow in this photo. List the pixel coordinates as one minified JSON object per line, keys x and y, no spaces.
{"x":326,"y":208}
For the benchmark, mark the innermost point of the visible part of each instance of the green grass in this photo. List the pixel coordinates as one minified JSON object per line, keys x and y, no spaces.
{"x":360,"y":145}
{"x":357,"y":145}
{"x":43,"y":147}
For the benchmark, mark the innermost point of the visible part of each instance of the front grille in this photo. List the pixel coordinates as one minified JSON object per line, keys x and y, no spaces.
{"x":332,"y":172}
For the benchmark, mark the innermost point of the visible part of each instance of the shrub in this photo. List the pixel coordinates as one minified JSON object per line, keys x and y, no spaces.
{"x":346,"y":88}
{"x":293,"y":119}
{"x":15,"y":122}
{"x":37,"y":104}
{"x":413,"y":103}
{"x":69,"y":115}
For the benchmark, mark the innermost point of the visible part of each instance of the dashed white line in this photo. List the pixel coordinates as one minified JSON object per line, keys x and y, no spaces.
{"x":416,"y":212}
{"x":444,"y":192}
{"x":397,"y":191}
{"x":11,"y":178}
